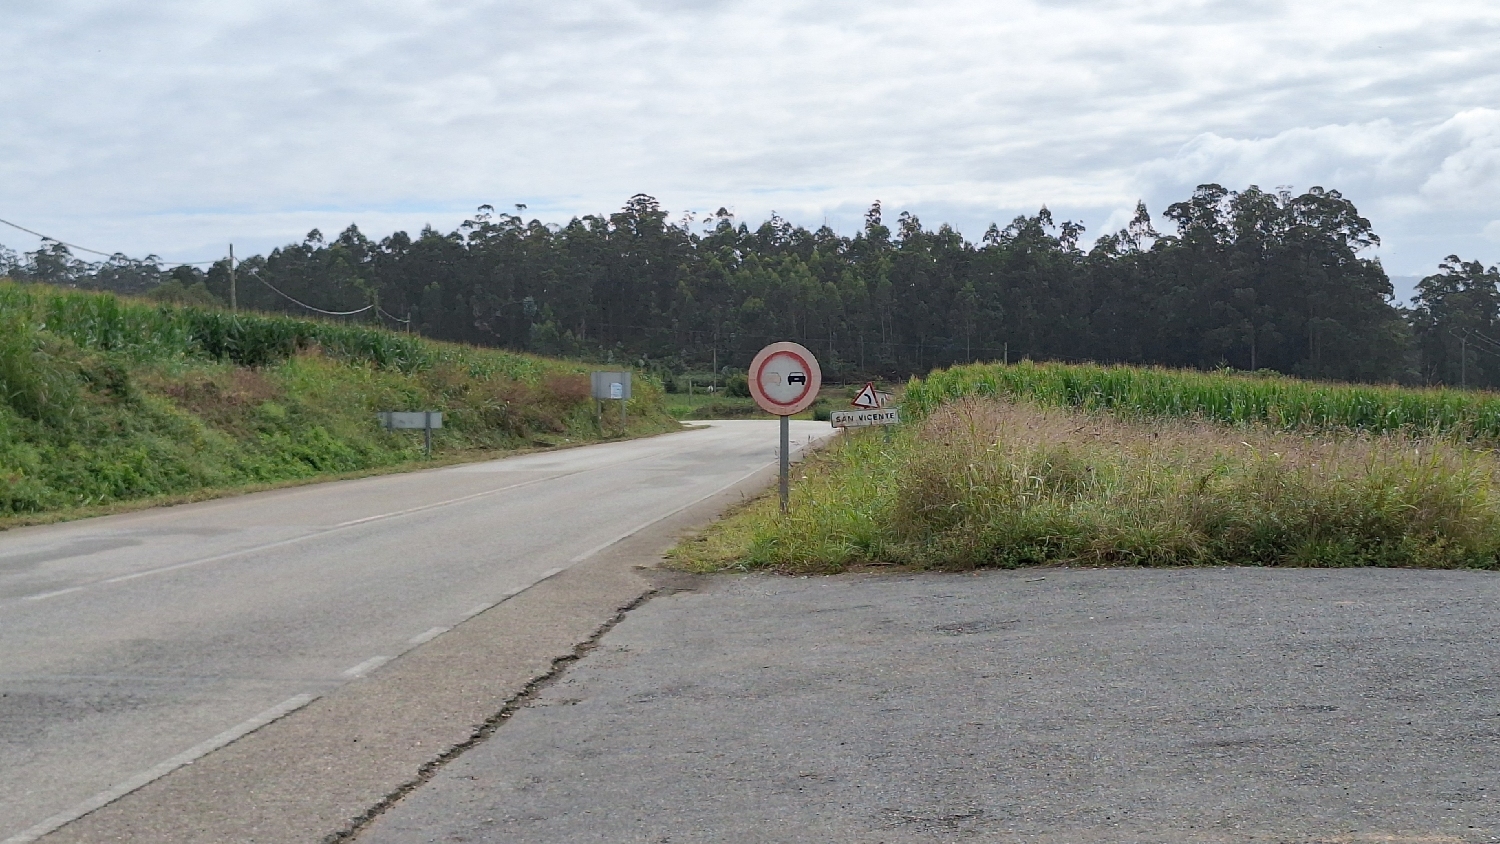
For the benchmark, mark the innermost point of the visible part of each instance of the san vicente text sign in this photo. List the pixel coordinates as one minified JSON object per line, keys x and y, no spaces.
{"x":864,"y":418}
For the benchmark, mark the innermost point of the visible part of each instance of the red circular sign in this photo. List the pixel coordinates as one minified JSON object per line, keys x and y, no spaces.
{"x":784,"y":379}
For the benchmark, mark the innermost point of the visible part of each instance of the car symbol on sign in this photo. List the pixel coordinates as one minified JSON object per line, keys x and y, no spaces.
{"x":796,"y":378}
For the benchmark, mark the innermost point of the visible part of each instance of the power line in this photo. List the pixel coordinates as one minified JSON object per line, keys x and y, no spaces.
{"x":273,"y":289}
{"x":391,"y":316}
{"x":97,"y":252}
{"x":310,"y":307}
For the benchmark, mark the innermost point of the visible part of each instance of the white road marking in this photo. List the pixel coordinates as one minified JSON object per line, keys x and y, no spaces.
{"x":424,"y":638}
{"x":214,"y":559}
{"x":45,"y":595}
{"x":643,"y":525}
{"x":313,"y":535}
{"x":462,"y":498}
{"x":150,"y":775}
{"x":367,"y":666}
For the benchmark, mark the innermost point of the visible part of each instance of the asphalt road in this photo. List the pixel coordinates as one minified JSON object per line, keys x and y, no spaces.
{"x":136,"y":644}
{"x":1202,"y":705}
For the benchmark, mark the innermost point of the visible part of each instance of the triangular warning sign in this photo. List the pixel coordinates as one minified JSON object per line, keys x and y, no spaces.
{"x":867,"y":397}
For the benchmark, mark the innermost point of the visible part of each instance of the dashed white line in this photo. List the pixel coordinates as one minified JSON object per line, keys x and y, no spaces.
{"x":367,"y":666}
{"x":45,"y":595}
{"x":427,"y":636}
{"x":150,"y":775}
{"x":459,"y":500}
{"x":313,"y":535}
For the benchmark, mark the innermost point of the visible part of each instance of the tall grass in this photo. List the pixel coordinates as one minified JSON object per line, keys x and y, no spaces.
{"x":1277,"y":402}
{"x":31,"y":381}
{"x":984,"y":482}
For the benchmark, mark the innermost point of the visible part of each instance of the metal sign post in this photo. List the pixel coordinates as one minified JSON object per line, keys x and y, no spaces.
{"x":784,"y":380}
{"x":786,"y":462}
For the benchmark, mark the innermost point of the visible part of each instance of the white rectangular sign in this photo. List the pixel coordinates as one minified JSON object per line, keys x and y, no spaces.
{"x":862,"y":418}
{"x":418,"y":420}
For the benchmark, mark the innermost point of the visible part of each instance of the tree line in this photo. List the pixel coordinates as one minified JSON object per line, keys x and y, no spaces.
{"x":1249,"y":279}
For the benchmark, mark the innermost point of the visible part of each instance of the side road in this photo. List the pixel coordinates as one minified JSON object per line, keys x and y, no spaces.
{"x":1052,"y":705}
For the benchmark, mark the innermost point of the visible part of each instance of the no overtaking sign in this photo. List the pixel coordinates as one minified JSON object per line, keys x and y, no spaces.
{"x":784,"y":379}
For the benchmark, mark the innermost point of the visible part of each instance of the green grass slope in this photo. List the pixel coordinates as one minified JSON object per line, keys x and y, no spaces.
{"x":106,"y":400}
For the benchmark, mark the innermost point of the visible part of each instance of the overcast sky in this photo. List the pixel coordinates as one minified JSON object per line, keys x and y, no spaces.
{"x":178,"y":127}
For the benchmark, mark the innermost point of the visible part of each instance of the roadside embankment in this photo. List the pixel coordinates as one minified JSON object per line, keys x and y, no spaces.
{"x":106,"y":401}
{"x":984,"y":481}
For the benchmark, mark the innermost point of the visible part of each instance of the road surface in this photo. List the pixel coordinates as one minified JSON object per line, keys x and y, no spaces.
{"x":135,"y":644}
{"x":1275,"y":706}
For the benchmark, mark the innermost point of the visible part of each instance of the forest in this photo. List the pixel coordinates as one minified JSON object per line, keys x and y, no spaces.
{"x":1248,"y":280}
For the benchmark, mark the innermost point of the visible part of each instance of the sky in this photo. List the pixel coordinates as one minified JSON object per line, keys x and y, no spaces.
{"x":176,"y":128}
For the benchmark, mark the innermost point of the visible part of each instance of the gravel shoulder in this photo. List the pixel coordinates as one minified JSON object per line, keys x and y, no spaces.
{"x":1051,"y":705}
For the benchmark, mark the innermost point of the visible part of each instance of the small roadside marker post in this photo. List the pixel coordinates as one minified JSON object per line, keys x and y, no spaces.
{"x":425,"y":420}
{"x":784,"y":380}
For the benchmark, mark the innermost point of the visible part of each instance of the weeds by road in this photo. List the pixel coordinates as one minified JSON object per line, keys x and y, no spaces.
{"x":985,"y":482}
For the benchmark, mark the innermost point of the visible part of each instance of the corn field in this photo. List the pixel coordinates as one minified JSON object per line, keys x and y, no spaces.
{"x":146,"y":331}
{"x":1279,"y":402}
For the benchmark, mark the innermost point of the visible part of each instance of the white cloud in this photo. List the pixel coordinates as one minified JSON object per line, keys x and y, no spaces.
{"x":176,"y":126}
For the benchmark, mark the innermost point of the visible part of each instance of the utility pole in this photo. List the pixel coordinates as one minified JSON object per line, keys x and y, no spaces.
{"x":233,"y":302}
{"x":1463,"y":361}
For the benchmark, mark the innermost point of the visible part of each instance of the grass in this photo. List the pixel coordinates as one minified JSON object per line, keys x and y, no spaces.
{"x":1282,"y":403}
{"x":711,"y":406}
{"x":989,"y":482}
{"x":105,"y":401}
